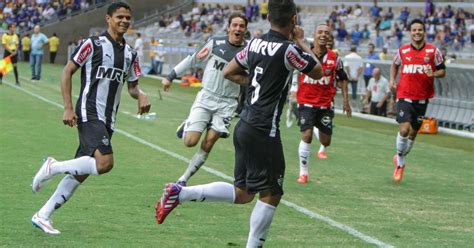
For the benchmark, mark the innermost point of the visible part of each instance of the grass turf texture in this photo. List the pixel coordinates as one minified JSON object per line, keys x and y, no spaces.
{"x":432,"y":207}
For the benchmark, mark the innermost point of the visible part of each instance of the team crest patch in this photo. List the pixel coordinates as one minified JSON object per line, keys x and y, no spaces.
{"x":427,"y":59}
{"x":97,"y":42}
{"x":302,"y":120}
{"x":326,"y":120}
{"x":105,"y":141}
{"x":327,"y":71}
{"x":401,"y":113}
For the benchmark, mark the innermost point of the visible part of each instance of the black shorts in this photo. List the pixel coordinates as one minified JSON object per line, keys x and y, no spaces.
{"x":13,"y":58}
{"x":259,"y":160}
{"x":313,"y":116}
{"x":411,"y":112}
{"x":93,"y":135}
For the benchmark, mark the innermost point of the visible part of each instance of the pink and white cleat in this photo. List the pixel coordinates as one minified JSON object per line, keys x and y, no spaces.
{"x":43,"y":176}
{"x":168,"y":202}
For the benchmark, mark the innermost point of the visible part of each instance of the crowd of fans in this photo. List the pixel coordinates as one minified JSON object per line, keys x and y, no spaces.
{"x":445,"y":26}
{"x":28,"y":13}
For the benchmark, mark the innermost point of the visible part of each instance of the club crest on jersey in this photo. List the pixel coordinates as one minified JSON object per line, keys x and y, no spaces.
{"x":97,"y":42}
{"x":111,"y":73}
{"x":84,"y":53}
{"x":327,"y":71}
{"x":426,"y":59}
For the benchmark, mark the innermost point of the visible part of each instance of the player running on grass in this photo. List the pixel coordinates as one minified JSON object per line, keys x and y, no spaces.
{"x":259,"y":159}
{"x":107,"y":63}
{"x":316,"y":100}
{"x":215,"y":104}
{"x":421,"y":62}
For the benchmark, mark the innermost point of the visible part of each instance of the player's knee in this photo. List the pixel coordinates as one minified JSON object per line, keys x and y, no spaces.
{"x":326,"y":143}
{"x":190,"y":142}
{"x":307,"y":138}
{"x":243,"y":198}
{"x":404,"y":132}
{"x":105,"y":166}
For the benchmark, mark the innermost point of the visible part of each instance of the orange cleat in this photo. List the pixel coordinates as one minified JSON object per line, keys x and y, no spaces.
{"x":398,"y":173}
{"x":322,"y":155}
{"x":303,"y":179}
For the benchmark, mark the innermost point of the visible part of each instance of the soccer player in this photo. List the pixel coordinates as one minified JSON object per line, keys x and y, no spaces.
{"x":107,"y":63}
{"x":10,"y":43}
{"x":215,"y":104}
{"x":259,"y":160}
{"x":420,"y":63}
{"x":316,"y":100}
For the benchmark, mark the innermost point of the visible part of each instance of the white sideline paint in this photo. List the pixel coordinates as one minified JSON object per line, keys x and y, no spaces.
{"x":300,"y":209}
{"x":464,"y":134}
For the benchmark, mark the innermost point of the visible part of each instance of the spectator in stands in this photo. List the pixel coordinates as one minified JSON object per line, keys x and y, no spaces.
{"x":368,"y":66}
{"x":375,"y":11}
{"x":404,"y":14}
{"x":366,"y":32}
{"x":38,"y":40}
{"x":248,"y":11}
{"x":263,"y":9}
{"x":53,"y":47}
{"x":377,"y":93}
{"x":383,"y":54}
{"x":26,"y":47}
{"x":255,"y":11}
{"x":341,"y":32}
{"x":429,"y":8}
{"x":354,"y":67}
{"x":358,"y":11}
{"x":356,"y":35}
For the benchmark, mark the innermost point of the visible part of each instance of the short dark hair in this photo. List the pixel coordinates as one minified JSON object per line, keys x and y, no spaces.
{"x":115,"y":6}
{"x":280,"y":12}
{"x":237,"y":15}
{"x":417,"y":21}
{"x":11,"y":25}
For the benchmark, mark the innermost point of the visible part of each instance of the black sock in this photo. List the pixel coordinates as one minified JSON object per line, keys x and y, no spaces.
{"x":15,"y":71}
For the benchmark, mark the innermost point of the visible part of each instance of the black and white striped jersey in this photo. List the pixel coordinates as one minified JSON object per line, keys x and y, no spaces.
{"x":106,"y":66}
{"x":270,"y":61}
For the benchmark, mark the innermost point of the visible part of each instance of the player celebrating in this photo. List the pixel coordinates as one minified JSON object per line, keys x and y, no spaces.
{"x":215,"y":104}
{"x":421,"y":62}
{"x":259,"y":159}
{"x":107,"y":63}
{"x":315,"y":100}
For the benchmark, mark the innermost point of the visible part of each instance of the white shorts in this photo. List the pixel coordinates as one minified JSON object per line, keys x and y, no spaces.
{"x":211,"y":111}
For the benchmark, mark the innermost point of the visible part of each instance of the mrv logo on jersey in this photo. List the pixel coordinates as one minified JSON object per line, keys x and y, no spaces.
{"x":412,"y":69}
{"x":113,"y":74}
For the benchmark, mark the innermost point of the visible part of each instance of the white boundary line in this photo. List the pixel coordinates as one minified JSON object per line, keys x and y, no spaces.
{"x":300,"y":209}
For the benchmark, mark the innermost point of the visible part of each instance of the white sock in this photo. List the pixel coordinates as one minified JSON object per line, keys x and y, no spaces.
{"x":196,"y":162}
{"x":322,"y":148}
{"x":409,"y":146}
{"x":84,"y":165}
{"x":63,"y":192}
{"x":260,"y":221}
{"x":316,"y":133}
{"x":401,"y":148}
{"x":218,"y":191}
{"x":304,"y":150}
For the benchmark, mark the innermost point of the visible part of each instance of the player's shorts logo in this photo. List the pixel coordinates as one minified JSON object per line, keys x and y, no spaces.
{"x":280,"y":181}
{"x":401,"y":113}
{"x":105,"y":141}
{"x":326,"y":120}
{"x":302,"y":120}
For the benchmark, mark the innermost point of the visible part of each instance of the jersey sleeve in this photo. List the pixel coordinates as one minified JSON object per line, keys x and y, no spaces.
{"x":340,"y":72}
{"x":439,"y":60}
{"x":83,"y":52}
{"x":397,"y":60}
{"x":134,"y":72}
{"x":203,"y":54}
{"x":242,"y":57}
{"x":296,"y":59}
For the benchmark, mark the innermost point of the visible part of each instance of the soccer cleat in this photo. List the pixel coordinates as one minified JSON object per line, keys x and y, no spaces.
{"x":168,"y":201}
{"x":46,"y":225}
{"x":43,"y":176}
{"x":303,"y":179}
{"x":180,"y":130}
{"x":322,"y":155}
{"x":398,"y":173}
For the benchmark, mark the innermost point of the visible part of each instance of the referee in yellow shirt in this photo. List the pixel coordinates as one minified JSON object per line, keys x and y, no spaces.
{"x":26,"y":48}
{"x":10,"y":42}
{"x":53,"y":47}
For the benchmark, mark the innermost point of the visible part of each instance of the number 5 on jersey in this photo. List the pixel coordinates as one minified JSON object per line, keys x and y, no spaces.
{"x":255,"y":84}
